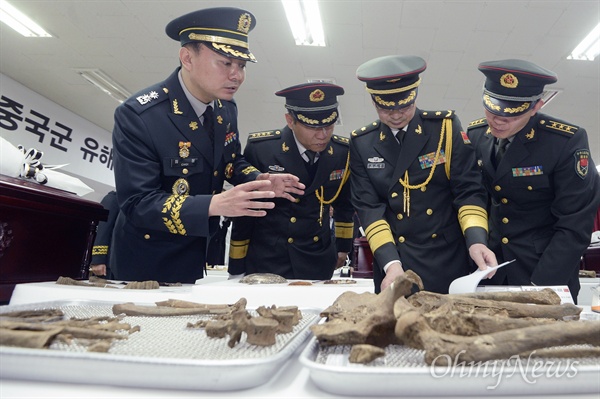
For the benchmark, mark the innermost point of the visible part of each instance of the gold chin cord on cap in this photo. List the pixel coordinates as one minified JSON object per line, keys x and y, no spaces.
{"x":322,"y":200}
{"x":405,"y":182}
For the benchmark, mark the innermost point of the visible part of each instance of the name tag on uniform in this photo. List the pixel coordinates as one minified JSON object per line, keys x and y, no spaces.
{"x":183,"y":163}
{"x":527,"y":171}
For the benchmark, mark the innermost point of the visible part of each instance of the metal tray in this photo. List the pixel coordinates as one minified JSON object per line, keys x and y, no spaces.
{"x":403,"y":372}
{"x":163,"y":354}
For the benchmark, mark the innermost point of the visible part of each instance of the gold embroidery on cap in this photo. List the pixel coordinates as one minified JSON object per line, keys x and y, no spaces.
{"x":244,"y":23}
{"x":523,"y":107}
{"x":396,"y":90}
{"x":234,"y":53}
{"x":317,"y":96}
{"x":490,"y":104}
{"x":509,"y":80}
{"x":306,"y":119}
{"x":379,"y":100}
{"x":331,"y":118}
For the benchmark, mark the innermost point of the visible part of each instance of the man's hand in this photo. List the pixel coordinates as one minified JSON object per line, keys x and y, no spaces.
{"x":483,"y":257}
{"x":284,"y":184}
{"x":341,"y":259}
{"x":98,"y":270}
{"x":243,"y":200}
{"x":393,"y":271}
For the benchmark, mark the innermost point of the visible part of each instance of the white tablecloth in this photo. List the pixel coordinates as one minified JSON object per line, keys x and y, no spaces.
{"x":291,"y":381}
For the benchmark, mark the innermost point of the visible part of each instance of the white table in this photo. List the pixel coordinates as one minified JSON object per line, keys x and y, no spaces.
{"x":291,"y":381}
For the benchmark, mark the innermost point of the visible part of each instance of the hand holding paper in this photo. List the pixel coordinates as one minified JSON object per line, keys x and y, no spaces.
{"x":467,"y":284}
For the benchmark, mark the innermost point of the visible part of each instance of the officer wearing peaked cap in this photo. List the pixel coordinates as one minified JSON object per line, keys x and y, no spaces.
{"x":294,"y":240}
{"x":540,"y":176}
{"x":415,"y":188}
{"x":175,"y":143}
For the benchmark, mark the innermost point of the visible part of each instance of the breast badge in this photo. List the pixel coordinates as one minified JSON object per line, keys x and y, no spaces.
{"x":184,"y":149}
{"x":228,"y":170}
{"x":375,"y":163}
{"x":276,"y":168}
{"x":181,"y":187}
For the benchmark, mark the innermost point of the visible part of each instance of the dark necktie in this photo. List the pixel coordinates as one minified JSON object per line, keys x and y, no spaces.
{"x":400,"y":136}
{"x":311,"y":156}
{"x":207,"y":122}
{"x":502,"y":144}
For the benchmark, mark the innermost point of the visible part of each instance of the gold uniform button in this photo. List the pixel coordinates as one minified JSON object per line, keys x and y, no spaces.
{"x":185,"y":171}
{"x":297,"y":200}
{"x":315,"y":238}
{"x":423,"y":189}
{"x":216,"y":173}
{"x":233,"y":155}
{"x":394,"y":195}
{"x":504,"y":201}
{"x":290,"y":240}
{"x":401,"y":239}
{"x":147,"y":236}
{"x":497,"y":188}
{"x":434,"y":235}
{"x":400,"y":217}
{"x":529,"y":188}
{"x":504,"y":240}
{"x":505,"y":220}
{"x":430,"y":211}
{"x":293,"y":219}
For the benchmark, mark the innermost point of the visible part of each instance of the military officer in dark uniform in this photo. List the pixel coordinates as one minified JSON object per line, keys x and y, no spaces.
{"x":540,"y":176}
{"x":99,"y":264}
{"x":417,"y":194}
{"x":294,"y":240}
{"x":175,"y":143}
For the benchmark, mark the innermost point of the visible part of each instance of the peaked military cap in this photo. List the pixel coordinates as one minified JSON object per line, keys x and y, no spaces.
{"x":512,"y":87}
{"x":392,"y":80}
{"x":224,"y":29}
{"x":313,"y":104}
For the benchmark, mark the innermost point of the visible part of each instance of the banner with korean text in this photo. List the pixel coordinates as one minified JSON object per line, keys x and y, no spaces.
{"x":33,"y":121}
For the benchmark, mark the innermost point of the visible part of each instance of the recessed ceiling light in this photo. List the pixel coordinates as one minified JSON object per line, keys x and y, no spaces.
{"x":589,"y":48}
{"x":20,"y":22}
{"x":304,"y":18}
{"x":105,"y":83}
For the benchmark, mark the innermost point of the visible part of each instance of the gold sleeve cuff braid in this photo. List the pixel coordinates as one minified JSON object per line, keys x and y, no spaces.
{"x":378,"y":234}
{"x":238,"y":249}
{"x":344,"y":230}
{"x":472,"y":216}
{"x":100,"y":250}
{"x":172,"y":209}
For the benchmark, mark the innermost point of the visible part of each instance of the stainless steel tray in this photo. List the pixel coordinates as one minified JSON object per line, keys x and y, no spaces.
{"x":163,"y":354}
{"x":403,"y":372}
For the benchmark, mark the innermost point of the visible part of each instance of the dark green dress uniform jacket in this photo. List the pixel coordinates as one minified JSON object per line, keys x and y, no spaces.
{"x":101,"y":248}
{"x":294,"y":239}
{"x":427,"y":237}
{"x":166,"y":172}
{"x":544,"y":196}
